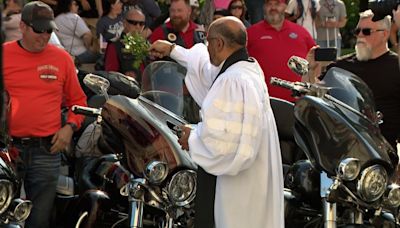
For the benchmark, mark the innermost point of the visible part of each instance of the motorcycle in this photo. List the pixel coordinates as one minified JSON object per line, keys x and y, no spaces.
{"x":13,"y":209}
{"x":345,"y":179}
{"x":143,"y":178}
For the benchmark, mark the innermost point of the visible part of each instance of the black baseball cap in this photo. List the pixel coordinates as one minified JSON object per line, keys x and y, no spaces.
{"x":39,"y":16}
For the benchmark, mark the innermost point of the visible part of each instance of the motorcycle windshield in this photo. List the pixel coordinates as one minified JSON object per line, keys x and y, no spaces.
{"x":330,"y":130}
{"x":351,"y":90}
{"x":163,"y":83}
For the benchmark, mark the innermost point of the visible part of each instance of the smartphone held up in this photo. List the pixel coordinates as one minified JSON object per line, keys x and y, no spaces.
{"x":325,"y":54}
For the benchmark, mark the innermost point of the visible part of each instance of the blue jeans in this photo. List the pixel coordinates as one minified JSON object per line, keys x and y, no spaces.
{"x":87,"y":57}
{"x":323,"y":44}
{"x":39,"y":170}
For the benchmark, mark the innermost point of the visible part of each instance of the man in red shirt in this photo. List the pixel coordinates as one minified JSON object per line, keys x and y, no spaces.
{"x":273,"y":41}
{"x":179,"y":29}
{"x":40,"y":78}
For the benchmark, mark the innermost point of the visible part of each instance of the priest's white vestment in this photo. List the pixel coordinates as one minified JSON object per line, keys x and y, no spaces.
{"x":236,"y":140}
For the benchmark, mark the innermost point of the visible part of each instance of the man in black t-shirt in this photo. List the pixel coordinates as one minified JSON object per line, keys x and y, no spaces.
{"x":375,"y":64}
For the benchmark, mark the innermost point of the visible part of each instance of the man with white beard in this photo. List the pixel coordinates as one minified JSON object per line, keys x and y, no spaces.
{"x":376,"y":65}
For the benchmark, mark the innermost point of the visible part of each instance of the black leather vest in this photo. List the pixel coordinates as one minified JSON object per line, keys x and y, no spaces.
{"x":125,"y":60}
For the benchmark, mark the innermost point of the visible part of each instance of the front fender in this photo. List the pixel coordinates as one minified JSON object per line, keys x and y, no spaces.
{"x":93,"y":202}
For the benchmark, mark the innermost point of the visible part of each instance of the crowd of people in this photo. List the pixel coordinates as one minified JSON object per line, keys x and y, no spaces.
{"x":231,"y":52}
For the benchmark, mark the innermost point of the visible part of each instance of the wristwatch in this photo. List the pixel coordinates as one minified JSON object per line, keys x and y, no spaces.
{"x":171,"y":48}
{"x":73,"y":126}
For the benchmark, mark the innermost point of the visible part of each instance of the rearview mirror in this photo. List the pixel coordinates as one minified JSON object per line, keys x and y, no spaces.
{"x":97,"y":84}
{"x":298,"y":65}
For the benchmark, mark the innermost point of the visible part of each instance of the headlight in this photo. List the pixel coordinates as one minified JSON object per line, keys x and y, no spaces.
{"x":372,"y":183}
{"x":182,"y":187}
{"x":392,"y":196}
{"x":156,"y":172}
{"x":20,"y":209}
{"x":348,"y":169}
{"x":5,"y":195}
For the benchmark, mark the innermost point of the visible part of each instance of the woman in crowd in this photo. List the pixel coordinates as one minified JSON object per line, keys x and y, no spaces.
{"x":110,"y":24}
{"x":218,"y":13}
{"x":11,"y":19}
{"x":73,"y":32}
{"x":237,"y":8}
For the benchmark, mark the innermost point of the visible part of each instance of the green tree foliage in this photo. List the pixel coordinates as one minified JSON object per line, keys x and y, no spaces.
{"x":352,"y":8}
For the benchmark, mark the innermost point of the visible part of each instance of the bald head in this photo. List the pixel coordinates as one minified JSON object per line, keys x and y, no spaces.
{"x":134,"y":11}
{"x":231,"y":29}
{"x":134,"y":21}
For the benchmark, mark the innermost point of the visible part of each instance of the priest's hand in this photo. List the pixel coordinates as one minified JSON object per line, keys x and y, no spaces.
{"x":183,"y":140}
{"x":161,"y":48}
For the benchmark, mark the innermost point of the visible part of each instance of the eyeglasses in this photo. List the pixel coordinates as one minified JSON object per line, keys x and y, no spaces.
{"x":236,"y":7}
{"x":134,"y":22}
{"x":366,"y":31}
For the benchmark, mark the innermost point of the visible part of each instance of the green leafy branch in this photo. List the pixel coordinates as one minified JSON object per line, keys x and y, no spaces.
{"x":136,"y":45}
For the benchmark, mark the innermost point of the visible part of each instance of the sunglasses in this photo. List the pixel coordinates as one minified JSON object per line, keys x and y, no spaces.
{"x":236,"y":7}
{"x":366,"y":31}
{"x":134,"y":22}
{"x":49,"y":31}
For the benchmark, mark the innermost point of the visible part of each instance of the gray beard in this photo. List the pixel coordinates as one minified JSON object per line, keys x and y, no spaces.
{"x":272,"y":20}
{"x":363,"y":52}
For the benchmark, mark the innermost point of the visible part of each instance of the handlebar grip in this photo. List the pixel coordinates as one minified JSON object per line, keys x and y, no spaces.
{"x":282,"y":83}
{"x":86,"y":111}
{"x":298,"y":88}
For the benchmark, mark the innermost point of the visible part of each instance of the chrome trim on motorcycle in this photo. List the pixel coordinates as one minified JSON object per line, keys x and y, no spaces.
{"x":348,"y":169}
{"x":358,"y":218}
{"x":182,"y":187}
{"x":5,"y":194}
{"x":97,"y":84}
{"x":298,"y":65}
{"x":135,"y":189}
{"x":20,"y":209}
{"x":156,"y":172}
{"x":392,"y":196}
{"x":372,"y":183}
{"x":136,"y":215}
{"x":329,"y":214}
{"x":80,"y":219}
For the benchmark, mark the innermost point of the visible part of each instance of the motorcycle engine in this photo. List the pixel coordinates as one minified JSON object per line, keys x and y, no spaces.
{"x":304,"y":182}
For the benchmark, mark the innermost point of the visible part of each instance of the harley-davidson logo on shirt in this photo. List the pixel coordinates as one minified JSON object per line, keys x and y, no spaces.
{"x":48,"y":72}
{"x":50,"y":77}
{"x":293,"y":35}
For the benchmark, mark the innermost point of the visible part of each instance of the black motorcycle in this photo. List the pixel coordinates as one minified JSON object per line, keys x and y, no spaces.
{"x":13,"y":209}
{"x":345,"y":180}
{"x":144,"y":178}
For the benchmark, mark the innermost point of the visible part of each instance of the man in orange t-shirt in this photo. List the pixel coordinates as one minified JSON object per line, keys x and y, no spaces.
{"x":39,"y":78}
